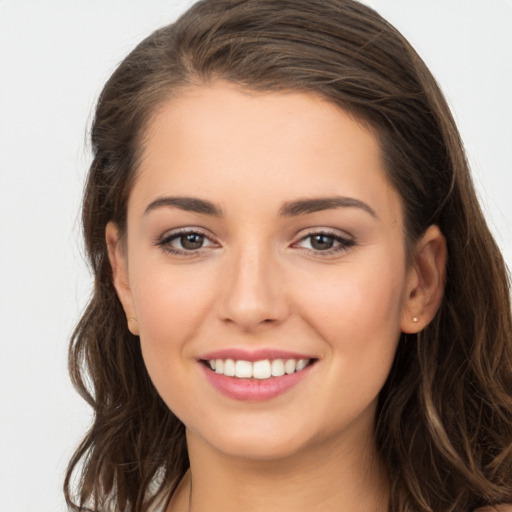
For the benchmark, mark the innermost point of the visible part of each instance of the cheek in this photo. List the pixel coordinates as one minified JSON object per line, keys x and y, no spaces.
{"x":359,"y":298}
{"x":171,"y":306}
{"x":357,"y":313}
{"x":169,"y":298}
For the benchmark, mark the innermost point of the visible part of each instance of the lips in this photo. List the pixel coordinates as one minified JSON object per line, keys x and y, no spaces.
{"x":255,"y":376}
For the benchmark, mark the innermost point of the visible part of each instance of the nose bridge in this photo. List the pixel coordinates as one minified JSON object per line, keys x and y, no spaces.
{"x":252,"y":295}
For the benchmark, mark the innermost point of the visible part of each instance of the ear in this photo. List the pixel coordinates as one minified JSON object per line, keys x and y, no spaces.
{"x":425,"y":281}
{"x":119,"y":263}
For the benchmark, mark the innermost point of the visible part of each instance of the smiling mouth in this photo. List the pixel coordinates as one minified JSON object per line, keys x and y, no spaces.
{"x":260,"y":370}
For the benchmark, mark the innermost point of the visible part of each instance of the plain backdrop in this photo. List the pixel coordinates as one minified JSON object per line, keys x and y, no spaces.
{"x":55,"y":56}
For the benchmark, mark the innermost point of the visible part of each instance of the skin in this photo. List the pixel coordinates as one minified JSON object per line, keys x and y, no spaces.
{"x":258,"y":282}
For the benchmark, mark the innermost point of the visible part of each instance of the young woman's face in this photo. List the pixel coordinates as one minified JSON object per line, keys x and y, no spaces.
{"x":263,"y":236}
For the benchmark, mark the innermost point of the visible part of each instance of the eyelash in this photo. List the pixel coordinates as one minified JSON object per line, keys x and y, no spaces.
{"x":165,"y":242}
{"x":344,"y":243}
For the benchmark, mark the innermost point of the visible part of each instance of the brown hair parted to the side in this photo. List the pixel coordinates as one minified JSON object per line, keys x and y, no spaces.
{"x":444,"y":421}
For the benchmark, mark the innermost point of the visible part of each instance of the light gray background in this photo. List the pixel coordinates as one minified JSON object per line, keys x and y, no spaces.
{"x":55,"y":56}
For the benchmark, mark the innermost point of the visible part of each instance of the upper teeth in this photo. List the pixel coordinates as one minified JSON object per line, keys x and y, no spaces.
{"x":258,"y":369}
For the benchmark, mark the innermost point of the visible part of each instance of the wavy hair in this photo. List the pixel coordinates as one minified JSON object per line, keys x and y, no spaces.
{"x":444,"y":418}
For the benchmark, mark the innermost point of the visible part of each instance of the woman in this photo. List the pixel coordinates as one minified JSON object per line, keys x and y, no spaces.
{"x":298,"y":304}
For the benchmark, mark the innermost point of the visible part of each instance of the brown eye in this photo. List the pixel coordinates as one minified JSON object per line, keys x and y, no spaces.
{"x":185,"y":243}
{"x":191,"y":241}
{"x":322,"y":242}
{"x":325,"y":243}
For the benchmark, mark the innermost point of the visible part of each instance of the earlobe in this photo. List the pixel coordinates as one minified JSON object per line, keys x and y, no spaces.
{"x":425,"y":281}
{"x":119,"y":264}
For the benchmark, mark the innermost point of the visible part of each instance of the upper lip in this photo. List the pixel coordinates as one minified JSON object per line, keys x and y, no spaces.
{"x":240,"y":354}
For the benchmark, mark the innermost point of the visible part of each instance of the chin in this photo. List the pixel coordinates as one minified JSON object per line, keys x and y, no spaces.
{"x":267,"y":449}
{"x":256,"y":444}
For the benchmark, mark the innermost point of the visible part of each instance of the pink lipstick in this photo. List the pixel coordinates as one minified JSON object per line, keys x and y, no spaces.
{"x":255,"y":375}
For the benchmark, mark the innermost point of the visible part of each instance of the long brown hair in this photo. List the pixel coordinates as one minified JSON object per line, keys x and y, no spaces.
{"x":444,"y":420}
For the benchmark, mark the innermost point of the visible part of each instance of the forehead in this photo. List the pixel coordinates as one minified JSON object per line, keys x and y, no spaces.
{"x":217,"y":138}
{"x":220,"y":108}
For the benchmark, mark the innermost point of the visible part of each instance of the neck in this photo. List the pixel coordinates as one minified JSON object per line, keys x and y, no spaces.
{"x":330,"y":477}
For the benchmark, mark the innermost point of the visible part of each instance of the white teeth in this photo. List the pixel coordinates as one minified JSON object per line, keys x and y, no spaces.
{"x":277,"y":368}
{"x":229,"y":368}
{"x":301,"y":364}
{"x":264,"y":369}
{"x":243,"y":369}
{"x":289,"y":366}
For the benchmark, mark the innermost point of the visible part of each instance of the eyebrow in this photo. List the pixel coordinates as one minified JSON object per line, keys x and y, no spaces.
{"x":190,"y":204}
{"x":289,"y":209}
{"x":305,"y":206}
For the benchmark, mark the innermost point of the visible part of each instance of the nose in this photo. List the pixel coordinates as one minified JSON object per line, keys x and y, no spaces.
{"x":252,"y":293}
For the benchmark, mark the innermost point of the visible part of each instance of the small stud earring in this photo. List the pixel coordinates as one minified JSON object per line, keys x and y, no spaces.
{"x":415,"y":319}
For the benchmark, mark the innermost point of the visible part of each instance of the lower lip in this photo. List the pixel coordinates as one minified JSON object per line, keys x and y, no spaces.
{"x":254,"y":390}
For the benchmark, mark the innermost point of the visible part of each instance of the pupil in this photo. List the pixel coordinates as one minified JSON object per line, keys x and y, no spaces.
{"x":192,"y":241}
{"x":322,"y":242}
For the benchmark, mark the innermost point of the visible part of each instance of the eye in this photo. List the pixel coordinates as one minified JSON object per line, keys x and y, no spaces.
{"x":325,"y":242}
{"x":183,"y":242}
{"x":190,"y":241}
{"x":321,"y":242}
